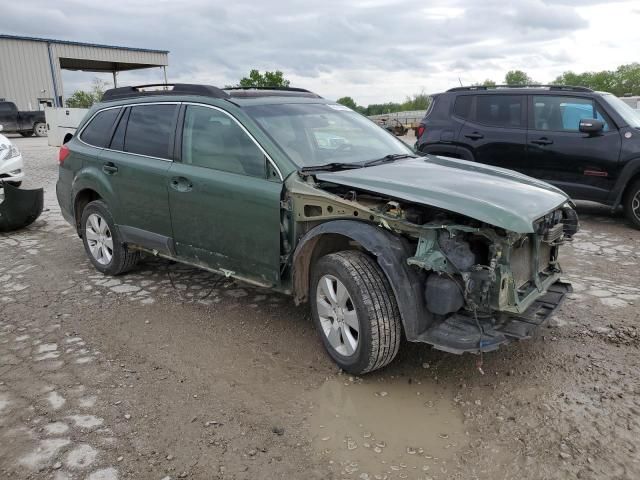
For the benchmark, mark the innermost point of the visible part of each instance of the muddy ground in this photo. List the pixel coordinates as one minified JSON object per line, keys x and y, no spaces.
{"x":171,"y":372}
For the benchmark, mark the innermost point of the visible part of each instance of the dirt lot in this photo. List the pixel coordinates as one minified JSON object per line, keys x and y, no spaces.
{"x":171,"y":372}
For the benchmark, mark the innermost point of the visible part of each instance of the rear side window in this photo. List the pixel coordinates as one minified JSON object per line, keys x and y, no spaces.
{"x":97,"y":132}
{"x":150,"y":130}
{"x":500,"y":110}
{"x":462,"y":107}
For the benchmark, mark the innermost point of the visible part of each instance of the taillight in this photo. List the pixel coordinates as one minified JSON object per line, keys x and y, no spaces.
{"x":63,"y":154}
{"x":421,"y":129}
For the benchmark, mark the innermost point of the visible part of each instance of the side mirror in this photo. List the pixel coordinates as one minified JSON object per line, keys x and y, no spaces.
{"x":590,"y":125}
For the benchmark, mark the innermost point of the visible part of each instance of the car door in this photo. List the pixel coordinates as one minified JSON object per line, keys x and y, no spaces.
{"x":583,"y":165}
{"x":136,"y":165}
{"x":225,"y":211}
{"x":496,"y":131}
{"x":8,"y":117}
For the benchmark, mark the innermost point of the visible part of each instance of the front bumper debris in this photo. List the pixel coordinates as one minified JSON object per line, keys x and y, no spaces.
{"x":460,"y":333}
{"x":19,"y":207}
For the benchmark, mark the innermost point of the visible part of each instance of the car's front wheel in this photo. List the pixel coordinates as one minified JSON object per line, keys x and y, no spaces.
{"x":102,"y":242}
{"x":355,"y":311}
{"x":632,"y":204}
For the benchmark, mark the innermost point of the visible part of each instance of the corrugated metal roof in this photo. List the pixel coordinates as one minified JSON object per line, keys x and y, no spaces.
{"x":79,"y":44}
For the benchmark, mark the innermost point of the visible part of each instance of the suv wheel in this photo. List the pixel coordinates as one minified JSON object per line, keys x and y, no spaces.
{"x":632,"y":203}
{"x":102,"y":241}
{"x":40,"y":129}
{"x":355,"y":311}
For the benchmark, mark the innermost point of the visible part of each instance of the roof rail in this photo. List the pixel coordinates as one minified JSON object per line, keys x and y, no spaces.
{"x":292,"y":90}
{"x":568,"y":88}
{"x":163,"y":89}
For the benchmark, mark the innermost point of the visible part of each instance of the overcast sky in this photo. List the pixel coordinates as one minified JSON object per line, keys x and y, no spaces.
{"x":372,"y":50}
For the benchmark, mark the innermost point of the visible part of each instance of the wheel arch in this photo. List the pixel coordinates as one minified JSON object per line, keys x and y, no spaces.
{"x":80,"y":201}
{"x":630,"y":173}
{"x":390,"y":252}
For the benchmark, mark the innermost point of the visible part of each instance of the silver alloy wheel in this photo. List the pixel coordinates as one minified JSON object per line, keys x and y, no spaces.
{"x":635,"y":205}
{"x":338,"y":317}
{"x":99,"y":239}
{"x":41,"y":130}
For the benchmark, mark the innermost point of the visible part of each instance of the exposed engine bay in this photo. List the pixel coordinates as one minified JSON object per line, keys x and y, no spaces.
{"x":467,"y":267}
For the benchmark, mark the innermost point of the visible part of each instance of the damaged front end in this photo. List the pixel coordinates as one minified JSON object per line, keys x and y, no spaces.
{"x":473,"y":286}
{"x":18,"y":208}
{"x":486,"y":287}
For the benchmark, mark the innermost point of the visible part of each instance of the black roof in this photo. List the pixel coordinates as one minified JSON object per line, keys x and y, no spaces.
{"x":565,"y":88}
{"x":203,"y":90}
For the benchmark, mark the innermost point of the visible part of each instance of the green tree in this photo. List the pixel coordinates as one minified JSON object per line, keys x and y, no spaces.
{"x":266,"y":79}
{"x":625,"y":79}
{"x":348,"y":102}
{"x":488,"y":83}
{"x":517,"y":77}
{"x":83,"y":99}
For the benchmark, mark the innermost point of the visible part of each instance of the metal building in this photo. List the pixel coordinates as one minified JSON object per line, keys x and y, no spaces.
{"x":30,"y":68}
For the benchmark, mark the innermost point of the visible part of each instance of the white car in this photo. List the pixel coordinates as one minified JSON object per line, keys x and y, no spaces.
{"x":11,"y":164}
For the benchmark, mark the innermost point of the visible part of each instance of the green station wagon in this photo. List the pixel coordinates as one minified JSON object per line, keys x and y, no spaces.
{"x":284,"y":189}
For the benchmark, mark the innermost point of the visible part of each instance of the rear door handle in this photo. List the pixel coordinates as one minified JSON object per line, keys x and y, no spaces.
{"x":542,"y":141}
{"x":474,"y":136}
{"x":181,"y":184}
{"x":109,"y":168}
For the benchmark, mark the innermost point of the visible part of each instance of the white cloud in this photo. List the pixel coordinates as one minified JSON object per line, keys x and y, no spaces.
{"x":373,"y":50}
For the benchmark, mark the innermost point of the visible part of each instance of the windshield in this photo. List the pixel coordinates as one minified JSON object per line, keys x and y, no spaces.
{"x":313,"y":134}
{"x":629,"y":115}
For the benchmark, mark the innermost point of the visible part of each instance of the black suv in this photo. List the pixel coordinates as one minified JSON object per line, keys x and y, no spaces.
{"x":587,"y":143}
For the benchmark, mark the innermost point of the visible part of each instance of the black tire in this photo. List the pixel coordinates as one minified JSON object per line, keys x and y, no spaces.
{"x":122,"y":259}
{"x":15,"y":184}
{"x":40,"y":129}
{"x":631,"y":200}
{"x":374,"y":302}
{"x":27,"y":134}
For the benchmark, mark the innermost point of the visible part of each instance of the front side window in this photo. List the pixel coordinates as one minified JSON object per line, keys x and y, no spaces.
{"x":212,"y":139}
{"x":97,"y":132}
{"x":317,"y":134}
{"x":149,"y":130}
{"x":563,"y":114}
{"x":500,"y":110}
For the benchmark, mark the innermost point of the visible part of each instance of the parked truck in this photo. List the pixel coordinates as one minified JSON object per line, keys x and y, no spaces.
{"x":24,"y":123}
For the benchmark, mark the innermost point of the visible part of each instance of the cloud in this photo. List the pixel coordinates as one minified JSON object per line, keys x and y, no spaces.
{"x":337,"y":47}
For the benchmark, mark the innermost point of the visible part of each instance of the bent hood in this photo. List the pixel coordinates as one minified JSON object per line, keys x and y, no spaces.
{"x":496,"y":196}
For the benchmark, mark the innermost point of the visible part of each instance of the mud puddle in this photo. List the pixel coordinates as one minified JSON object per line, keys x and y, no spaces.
{"x":386,"y":429}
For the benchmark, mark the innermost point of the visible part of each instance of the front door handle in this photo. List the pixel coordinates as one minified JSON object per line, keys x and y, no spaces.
{"x":109,"y":168}
{"x":474,"y":136}
{"x":542,"y":141}
{"x":181,"y":184}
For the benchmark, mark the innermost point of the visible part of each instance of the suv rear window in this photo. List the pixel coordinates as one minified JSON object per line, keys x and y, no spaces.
{"x":150,"y":130}
{"x":500,"y":110}
{"x":98,"y":130}
{"x":462,"y":107}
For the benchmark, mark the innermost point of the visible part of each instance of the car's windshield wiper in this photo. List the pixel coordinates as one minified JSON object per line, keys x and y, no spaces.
{"x":330,"y":167}
{"x":387,"y":158}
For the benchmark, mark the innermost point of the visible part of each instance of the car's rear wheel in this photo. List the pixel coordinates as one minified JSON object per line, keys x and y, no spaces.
{"x":632,"y":204}
{"x":102,"y":241}
{"x":355,"y":311}
{"x":40,"y":129}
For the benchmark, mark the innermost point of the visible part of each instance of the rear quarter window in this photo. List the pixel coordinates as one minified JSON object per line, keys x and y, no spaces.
{"x":98,"y":131}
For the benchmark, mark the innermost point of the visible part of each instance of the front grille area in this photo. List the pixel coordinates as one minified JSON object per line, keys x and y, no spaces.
{"x":523,"y":265}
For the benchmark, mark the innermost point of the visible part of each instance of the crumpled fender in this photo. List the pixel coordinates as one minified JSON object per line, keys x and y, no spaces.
{"x":391,"y":252}
{"x":20,"y":208}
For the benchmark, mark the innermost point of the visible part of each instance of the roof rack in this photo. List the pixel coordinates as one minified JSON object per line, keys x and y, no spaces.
{"x":163,"y":89}
{"x":568,"y":88}
{"x":264,"y":91}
